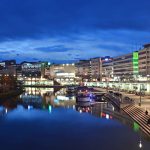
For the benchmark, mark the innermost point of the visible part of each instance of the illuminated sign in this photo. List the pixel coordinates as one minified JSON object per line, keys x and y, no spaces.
{"x":66,"y":74}
{"x":135,"y":62}
{"x":106,"y":59}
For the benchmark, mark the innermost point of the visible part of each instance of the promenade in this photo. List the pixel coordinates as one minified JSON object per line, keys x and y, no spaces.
{"x":145,"y":101}
{"x":136,"y":112}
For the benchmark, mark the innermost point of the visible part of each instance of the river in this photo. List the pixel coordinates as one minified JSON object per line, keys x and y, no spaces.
{"x":50,"y":119}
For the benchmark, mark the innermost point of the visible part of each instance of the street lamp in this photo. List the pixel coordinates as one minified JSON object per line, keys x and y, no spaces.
{"x":35,"y":78}
{"x":140,"y":95}
{"x":31,"y":78}
{"x":148,"y":77}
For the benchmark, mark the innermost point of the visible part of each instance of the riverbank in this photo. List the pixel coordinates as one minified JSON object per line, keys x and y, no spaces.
{"x":136,"y":113}
{"x":10,"y":94}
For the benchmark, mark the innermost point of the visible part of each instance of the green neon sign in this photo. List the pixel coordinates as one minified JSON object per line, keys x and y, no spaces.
{"x":136,"y":55}
{"x":135,"y":61}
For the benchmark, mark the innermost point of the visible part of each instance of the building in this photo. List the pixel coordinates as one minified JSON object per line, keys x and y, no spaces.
{"x":8,"y":67}
{"x":62,"y":73}
{"x":123,"y":67}
{"x":132,"y":66}
{"x":107,"y":68}
{"x":96,"y":69}
{"x":144,"y":61}
{"x":83,"y":70}
{"x":33,"y":74}
{"x":33,"y":69}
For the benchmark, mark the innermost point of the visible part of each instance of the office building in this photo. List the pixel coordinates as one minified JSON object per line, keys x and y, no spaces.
{"x":83,"y":70}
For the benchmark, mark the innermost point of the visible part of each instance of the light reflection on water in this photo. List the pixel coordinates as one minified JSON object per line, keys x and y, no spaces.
{"x":44,"y":119}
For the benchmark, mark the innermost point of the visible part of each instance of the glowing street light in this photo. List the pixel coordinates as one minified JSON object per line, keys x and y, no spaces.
{"x":140,"y":144}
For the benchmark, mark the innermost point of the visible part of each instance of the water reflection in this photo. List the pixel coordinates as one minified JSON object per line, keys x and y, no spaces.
{"x":49,"y":98}
{"x":40,"y":102}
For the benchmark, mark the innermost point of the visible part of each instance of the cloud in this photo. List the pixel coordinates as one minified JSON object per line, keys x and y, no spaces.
{"x":51,"y":18}
{"x":4,"y":53}
{"x":56,"y":48}
{"x":72,"y":29}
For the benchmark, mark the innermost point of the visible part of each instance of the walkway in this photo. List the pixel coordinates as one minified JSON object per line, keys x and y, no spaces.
{"x":136,"y":112}
{"x":145,"y":101}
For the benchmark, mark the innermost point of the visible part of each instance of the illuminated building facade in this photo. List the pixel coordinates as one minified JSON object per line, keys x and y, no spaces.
{"x":33,"y":69}
{"x":133,"y":66}
{"x":123,"y":67}
{"x":107,"y":68}
{"x":144,"y":61}
{"x":83,"y":70}
{"x":62,"y":73}
{"x":96,"y":69}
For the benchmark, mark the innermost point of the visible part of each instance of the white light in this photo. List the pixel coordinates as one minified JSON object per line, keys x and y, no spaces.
{"x":74,"y":107}
{"x":50,"y":108}
{"x":140,"y":145}
{"x":107,"y":116}
{"x":6,"y":110}
{"x":30,"y":107}
{"x":113,"y":108}
{"x":59,"y":97}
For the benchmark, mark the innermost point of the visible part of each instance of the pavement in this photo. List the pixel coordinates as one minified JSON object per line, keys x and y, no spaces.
{"x":136,"y":112}
{"x":145,"y":101}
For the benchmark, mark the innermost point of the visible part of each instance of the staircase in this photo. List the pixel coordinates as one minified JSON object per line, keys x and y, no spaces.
{"x":139,"y":116}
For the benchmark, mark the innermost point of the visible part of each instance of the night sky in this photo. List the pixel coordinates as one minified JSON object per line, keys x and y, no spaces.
{"x":69,"y":30}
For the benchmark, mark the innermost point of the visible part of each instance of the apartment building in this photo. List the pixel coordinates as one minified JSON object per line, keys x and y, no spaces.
{"x":83,"y":70}
{"x":96,"y":67}
{"x":144,"y":61}
{"x":107,"y":68}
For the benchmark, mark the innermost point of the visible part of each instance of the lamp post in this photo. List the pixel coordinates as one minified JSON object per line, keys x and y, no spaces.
{"x":31,"y":78}
{"x":140,"y":96}
{"x":35,"y":78}
{"x":148,"y":77}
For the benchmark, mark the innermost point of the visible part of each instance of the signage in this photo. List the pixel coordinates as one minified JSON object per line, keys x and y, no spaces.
{"x":135,"y":63}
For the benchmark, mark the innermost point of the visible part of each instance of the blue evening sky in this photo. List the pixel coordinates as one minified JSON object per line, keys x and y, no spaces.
{"x":69,"y":30}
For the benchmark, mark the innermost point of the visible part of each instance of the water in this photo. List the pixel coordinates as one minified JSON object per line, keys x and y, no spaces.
{"x":44,"y":119}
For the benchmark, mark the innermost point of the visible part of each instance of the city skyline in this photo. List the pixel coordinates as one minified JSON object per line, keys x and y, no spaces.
{"x":67,"y":31}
